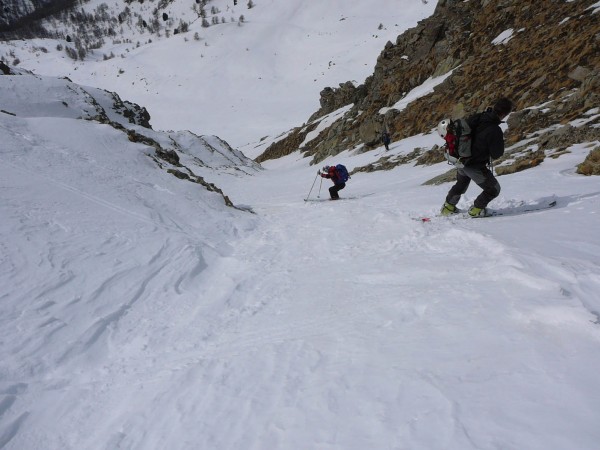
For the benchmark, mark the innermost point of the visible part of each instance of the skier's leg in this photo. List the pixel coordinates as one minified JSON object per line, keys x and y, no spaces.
{"x":485,"y":180}
{"x":459,"y":188}
{"x":333,"y":193}
{"x":333,"y":190}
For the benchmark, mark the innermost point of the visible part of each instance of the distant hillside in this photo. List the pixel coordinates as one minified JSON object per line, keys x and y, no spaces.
{"x":544,"y":55}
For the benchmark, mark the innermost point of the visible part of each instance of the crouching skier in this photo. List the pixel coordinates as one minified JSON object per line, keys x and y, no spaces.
{"x":339,"y":175}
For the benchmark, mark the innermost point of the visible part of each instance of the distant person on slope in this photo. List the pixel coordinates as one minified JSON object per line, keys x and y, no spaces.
{"x":339,"y":178}
{"x":385,"y":138}
{"x":487,"y":145}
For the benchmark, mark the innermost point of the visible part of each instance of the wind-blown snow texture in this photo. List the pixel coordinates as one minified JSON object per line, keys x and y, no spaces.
{"x":137,"y":311}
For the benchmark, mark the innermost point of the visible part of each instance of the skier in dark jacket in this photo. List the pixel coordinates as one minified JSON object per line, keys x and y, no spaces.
{"x":487,"y":145}
{"x":338,"y":184}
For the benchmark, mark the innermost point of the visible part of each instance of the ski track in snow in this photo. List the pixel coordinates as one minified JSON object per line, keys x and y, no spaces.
{"x":333,"y":325}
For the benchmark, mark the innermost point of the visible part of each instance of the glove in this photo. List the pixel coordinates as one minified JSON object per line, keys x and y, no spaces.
{"x":318,"y":171}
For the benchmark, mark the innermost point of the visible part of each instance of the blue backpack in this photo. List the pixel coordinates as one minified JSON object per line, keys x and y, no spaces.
{"x":342,"y":173}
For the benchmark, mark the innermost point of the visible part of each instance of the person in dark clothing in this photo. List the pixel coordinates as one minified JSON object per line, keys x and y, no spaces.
{"x":331,"y":173}
{"x":487,"y":145}
{"x":385,"y":138}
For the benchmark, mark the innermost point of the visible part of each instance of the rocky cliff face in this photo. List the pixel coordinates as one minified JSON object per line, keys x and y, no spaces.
{"x":533,"y":52}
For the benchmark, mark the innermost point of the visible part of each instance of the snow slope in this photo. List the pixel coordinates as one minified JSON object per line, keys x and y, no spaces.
{"x":240,"y":83}
{"x":138,"y":312}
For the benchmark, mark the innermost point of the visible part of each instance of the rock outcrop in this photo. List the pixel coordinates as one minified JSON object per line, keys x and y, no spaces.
{"x":537,"y":53}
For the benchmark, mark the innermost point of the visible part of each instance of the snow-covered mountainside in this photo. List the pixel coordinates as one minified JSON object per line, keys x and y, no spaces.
{"x":182,"y":153}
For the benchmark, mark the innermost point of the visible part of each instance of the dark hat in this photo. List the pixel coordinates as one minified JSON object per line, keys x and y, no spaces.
{"x":503,"y":106}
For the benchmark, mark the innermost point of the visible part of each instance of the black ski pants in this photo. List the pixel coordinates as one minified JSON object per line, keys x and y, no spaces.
{"x":333,"y":190}
{"x":484,"y":178}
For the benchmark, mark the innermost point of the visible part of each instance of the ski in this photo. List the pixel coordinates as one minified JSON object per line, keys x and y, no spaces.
{"x":341,"y":198}
{"x":328,"y":199}
{"x":509,"y":211}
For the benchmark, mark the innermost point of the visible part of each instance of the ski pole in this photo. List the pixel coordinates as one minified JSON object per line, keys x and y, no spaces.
{"x":320,"y":184}
{"x":311,"y":188}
